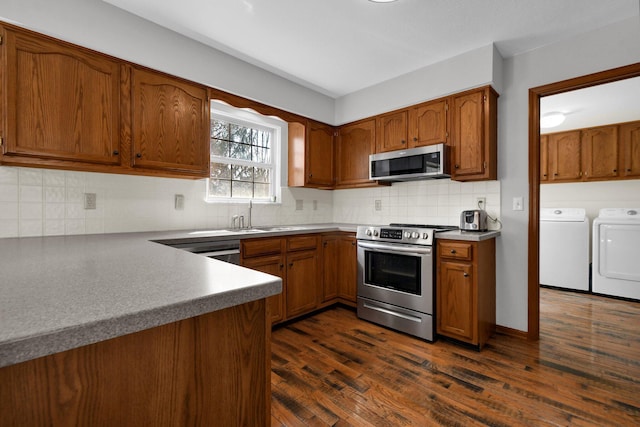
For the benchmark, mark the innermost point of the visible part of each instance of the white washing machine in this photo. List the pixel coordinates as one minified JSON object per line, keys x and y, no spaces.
{"x":616,"y":252}
{"x":564,"y":248}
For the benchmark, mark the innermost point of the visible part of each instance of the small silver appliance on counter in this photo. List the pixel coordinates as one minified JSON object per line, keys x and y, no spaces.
{"x":473,"y":220}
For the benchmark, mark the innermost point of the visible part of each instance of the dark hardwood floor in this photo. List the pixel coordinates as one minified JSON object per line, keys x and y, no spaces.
{"x":333,"y":369}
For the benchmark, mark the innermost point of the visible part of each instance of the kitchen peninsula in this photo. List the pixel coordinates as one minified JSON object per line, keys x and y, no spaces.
{"x":118,"y":330}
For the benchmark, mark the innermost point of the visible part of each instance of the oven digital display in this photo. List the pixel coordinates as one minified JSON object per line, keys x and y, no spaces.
{"x":391,"y":233}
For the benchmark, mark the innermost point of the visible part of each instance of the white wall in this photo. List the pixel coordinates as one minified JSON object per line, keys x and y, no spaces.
{"x":471,"y":69}
{"x":105,"y":28}
{"x":609,"y":47}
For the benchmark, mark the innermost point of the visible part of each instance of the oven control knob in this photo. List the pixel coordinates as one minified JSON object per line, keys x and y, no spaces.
{"x":415,"y":235}
{"x":407,"y":235}
{"x":425,"y":236}
{"x":368,"y":232}
{"x":375,"y":233}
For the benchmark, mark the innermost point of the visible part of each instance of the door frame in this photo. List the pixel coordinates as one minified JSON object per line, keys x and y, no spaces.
{"x":608,"y":76}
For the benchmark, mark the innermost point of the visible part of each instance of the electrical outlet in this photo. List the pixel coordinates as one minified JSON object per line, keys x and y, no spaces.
{"x":179,"y":202}
{"x":481,"y":203}
{"x":299,"y":204}
{"x":90,"y":200}
{"x":378,"y":205}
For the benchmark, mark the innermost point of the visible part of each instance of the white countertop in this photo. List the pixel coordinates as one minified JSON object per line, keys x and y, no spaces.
{"x":63,"y":292}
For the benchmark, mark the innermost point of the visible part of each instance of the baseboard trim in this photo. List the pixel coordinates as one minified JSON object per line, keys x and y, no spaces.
{"x":516,"y":333}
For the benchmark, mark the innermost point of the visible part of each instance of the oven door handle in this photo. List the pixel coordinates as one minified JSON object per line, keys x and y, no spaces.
{"x":396,"y":248}
{"x":393,"y":313}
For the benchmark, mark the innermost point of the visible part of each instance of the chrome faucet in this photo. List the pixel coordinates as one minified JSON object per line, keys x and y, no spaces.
{"x":250,"y":207}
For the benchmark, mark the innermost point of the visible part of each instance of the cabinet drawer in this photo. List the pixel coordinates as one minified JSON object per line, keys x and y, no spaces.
{"x":261,"y":247}
{"x":299,"y":243}
{"x":456,"y":250}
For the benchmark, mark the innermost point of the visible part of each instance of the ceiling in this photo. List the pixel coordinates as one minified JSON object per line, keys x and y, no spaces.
{"x":337,"y":47}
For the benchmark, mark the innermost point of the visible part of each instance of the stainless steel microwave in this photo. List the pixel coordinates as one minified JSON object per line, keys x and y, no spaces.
{"x":429,"y":162}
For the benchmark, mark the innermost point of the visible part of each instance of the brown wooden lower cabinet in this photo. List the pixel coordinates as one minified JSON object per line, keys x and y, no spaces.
{"x":339,"y":268}
{"x":466,"y":290}
{"x":210,"y":370}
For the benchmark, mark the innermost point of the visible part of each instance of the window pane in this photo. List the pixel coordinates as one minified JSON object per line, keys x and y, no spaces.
{"x":242,"y":173}
{"x":262,"y":191}
{"x":219,"y":147}
{"x":239,"y":151}
{"x":261,"y":155}
{"x":219,"y":129}
{"x":263,"y":139}
{"x":240,"y":134}
{"x":219,"y":188}
{"x":220,"y":170}
{"x":242,"y":189}
{"x":262,"y":175}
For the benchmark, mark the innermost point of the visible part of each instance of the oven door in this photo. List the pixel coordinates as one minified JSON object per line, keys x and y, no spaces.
{"x":401,"y":275}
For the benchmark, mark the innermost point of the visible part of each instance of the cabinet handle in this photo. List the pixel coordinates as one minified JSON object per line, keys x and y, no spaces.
{"x":281,"y":266}
{"x":465,"y":274}
{"x":457,"y":166}
{"x":415,"y":139}
{"x":324,"y":244}
{"x":116,"y":152}
{"x":555,"y":174}
{"x":290,"y":265}
{"x":353,"y":243}
{"x":403,"y":141}
{"x":310,"y":175}
{"x":544,"y":174}
{"x":628,"y":170}
{"x":453,"y":251}
{"x":615,"y":170}
{"x":138,"y":155}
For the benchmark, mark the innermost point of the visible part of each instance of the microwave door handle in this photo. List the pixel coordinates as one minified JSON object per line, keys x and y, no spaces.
{"x":389,"y":248}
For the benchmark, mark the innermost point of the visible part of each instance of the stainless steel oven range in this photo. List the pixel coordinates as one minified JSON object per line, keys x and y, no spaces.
{"x":396,"y":277}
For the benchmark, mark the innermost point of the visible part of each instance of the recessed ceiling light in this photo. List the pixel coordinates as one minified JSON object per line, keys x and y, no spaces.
{"x":551,"y":120}
{"x":382,"y":1}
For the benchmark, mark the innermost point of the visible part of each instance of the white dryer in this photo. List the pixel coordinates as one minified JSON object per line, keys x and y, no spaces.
{"x":564,"y":248}
{"x":616,"y":252}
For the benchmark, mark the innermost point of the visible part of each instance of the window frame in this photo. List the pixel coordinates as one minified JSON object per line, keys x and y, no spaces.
{"x":250,"y":119}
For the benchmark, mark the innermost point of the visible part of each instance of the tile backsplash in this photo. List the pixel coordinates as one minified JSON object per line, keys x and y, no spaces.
{"x":43,"y":202}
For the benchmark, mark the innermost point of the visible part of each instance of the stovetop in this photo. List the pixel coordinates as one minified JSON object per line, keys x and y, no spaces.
{"x":415,"y":234}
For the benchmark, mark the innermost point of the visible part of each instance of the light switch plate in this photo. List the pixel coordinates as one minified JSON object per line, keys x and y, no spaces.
{"x":299,"y":204}
{"x":179,"y":202}
{"x":90,"y":200}
{"x":518,"y":204}
{"x":378,"y":205}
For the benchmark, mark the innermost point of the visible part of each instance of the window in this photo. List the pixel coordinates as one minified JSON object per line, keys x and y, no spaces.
{"x":244,"y":155}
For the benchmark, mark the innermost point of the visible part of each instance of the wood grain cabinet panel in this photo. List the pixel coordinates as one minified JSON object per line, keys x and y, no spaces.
{"x":630,"y":148}
{"x":565,"y":156}
{"x":544,"y":158}
{"x":355,"y":143}
{"x":302,"y":282}
{"x":311,"y":155}
{"x":428,"y":124}
{"x":474,"y":135}
{"x":273,"y":265}
{"x":466,"y":290}
{"x":339,"y":268}
{"x":170,"y":123}
{"x":392,"y":131}
{"x":600,"y":153}
{"x":62,"y":103}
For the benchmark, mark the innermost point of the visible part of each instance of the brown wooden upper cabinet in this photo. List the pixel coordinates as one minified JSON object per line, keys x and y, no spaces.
{"x":630,"y":147}
{"x":392,"y":131}
{"x":356,"y":142}
{"x":169,"y":123}
{"x":428,"y":123}
{"x":311,"y":154}
{"x":591,"y":154}
{"x":62,"y":103}
{"x":474,"y":127}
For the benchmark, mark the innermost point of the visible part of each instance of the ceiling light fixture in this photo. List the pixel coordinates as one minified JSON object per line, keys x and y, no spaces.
{"x":382,"y":1}
{"x":551,"y":120}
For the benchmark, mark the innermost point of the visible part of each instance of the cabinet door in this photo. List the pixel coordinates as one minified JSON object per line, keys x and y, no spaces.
{"x":170,"y":124}
{"x":355,"y":143}
{"x":565,"y":156}
{"x":630,"y":147}
{"x":348,"y":268}
{"x":320,"y":154}
{"x":61,"y":102}
{"x":391,"y":131}
{"x":600,"y":153}
{"x":456,"y":303}
{"x":273,"y":265}
{"x":468,"y":140}
{"x":330,"y":267}
{"x":544,"y":158}
{"x":302,"y":283}
{"x":428,"y":124}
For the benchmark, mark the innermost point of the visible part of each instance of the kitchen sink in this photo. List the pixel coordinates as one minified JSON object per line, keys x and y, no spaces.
{"x":229,"y":232}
